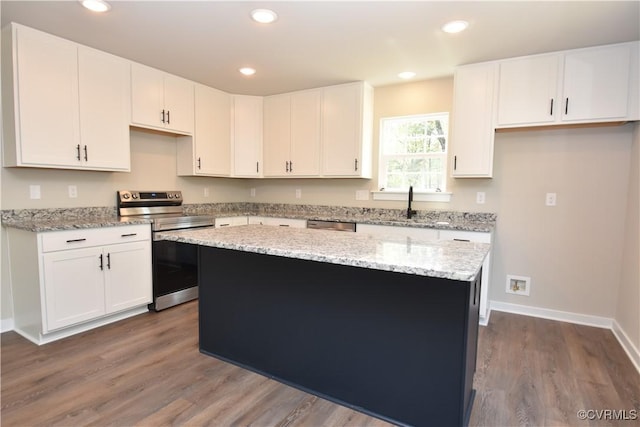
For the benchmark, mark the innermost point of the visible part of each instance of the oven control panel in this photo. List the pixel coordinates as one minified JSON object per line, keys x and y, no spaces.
{"x":149,"y":198}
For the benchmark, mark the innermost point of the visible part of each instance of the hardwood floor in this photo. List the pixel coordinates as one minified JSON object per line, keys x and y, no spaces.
{"x":147,"y":371}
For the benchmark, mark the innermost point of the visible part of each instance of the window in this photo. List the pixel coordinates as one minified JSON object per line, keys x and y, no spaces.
{"x":413,"y":151}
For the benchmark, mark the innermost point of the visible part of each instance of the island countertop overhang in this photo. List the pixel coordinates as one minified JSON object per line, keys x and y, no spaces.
{"x":453,"y":260}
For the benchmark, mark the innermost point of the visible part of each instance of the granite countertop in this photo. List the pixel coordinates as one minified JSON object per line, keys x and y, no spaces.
{"x":434,"y":258}
{"x":40,"y":220}
{"x":58,"y":224}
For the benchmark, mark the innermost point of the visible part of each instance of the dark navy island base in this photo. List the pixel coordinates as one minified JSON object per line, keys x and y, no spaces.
{"x":397,"y":346}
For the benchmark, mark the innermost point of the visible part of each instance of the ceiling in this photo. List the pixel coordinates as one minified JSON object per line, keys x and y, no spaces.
{"x":320,"y":43}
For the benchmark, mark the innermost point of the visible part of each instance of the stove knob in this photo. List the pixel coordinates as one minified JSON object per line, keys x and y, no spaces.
{"x":125,"y":196}
{"x":170,"y":196}
{"x":135,"y":196}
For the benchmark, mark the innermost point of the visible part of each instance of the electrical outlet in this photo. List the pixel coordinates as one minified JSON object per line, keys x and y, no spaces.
{"x":550,"y":199}
{"x":519,"y":285}
{"x":480,"y":197}
{"x":34,"y":191}
{"x":206,"y":191}
{"x":362,"y":194}
{"x":298,"y":193}
{"x":253,"y":192}
{"x":73,"y":191}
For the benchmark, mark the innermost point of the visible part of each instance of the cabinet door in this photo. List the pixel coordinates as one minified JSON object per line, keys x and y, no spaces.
{"x":147,"y":96}
{"x":341,"y":130}
{"x":247,"y":135}
{"x":104,"y":82}
{"x":47,"y":92}
{"x":73,"y":287}
{"x":305,"y":133}
{"x":212,"y":133}
{"x":473,"y":131}
{"x":527,"y":91}
{"x":596,"y":84}
{"x":277,"y":135}
{"x":178,"y":104}
{"x":127,"y":275}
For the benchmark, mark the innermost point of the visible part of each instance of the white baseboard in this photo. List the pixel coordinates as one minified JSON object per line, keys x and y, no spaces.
{"x":6,"y":325}
{"x":581,"y":319}
{"x":631,"y":350}
{"x":546,"y":313}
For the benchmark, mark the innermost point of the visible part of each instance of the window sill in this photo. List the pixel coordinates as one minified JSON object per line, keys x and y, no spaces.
{"x":417,"y":197}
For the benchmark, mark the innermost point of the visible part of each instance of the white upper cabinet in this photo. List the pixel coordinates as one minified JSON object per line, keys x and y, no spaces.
{"x":277,"y":135}
{"x":208,"y":152}
{"x":472,"y":132}
{"x":64,"y":105}
{"x":104,"y":109}
{"x":347,"y":125}
{"x":527,"y":90}
{"x":161,"y":101}
{"x":579,"y":86}
{"x":247,"y":136}
{"x":306,"y":109}
{"x":292,"y":134}
{"x":596,"y":84}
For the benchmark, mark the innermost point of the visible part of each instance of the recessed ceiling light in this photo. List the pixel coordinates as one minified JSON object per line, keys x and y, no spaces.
{"x":247,"y":71}
{"x":407,"y":75}
{"x":455,"y":26}
{"x":264,"y":16}
{"x":96,"y":5}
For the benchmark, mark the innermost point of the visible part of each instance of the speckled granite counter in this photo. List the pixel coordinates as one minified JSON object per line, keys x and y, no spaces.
{"x":443,"y":220}
{"x":71,"y":218}
{"x":442,"y":259}
{"x":42,"y":225}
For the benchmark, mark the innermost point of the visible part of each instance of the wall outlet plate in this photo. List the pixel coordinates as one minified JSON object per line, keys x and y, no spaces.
{"x":253,"y":192}
{"x":362,"y":194}
{"x":519,"y":285}
{"x":34,"y":191}
{"x":298,"y":193}
{"x":550,"y":199}
{"x":73,"y":191}
{"x":480,"y":197}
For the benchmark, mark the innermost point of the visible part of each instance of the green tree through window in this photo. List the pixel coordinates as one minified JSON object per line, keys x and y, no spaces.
{"x":413,"y":151}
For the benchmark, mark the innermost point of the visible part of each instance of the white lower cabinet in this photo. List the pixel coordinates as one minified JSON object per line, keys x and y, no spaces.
{"x":278,"y":222}
{"x":85,"y":278}
{"x":231,"y":221}
{"x":395,"y":231}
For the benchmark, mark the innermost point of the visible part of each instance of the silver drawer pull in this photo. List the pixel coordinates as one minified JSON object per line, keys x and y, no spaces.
{"x":461,"y":240}
{"x":76,"y":240}
{"x":284,"y":225}
{"x":129,"y":235}
{"x":224,"y":225}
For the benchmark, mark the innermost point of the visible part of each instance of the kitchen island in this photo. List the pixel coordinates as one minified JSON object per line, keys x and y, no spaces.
{"x":383,"y":325}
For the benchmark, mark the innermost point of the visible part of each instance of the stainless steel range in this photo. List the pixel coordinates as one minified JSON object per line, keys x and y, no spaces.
{"x":175,"y":265}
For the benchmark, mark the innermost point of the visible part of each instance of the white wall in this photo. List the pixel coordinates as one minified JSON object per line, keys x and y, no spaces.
{"x":628,"y":306}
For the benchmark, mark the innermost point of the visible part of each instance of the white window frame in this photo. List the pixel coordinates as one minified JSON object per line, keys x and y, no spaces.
{"x":421,"y":194}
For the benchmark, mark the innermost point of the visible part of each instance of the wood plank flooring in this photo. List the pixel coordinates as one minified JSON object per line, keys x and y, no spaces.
{"x":147,"y":371}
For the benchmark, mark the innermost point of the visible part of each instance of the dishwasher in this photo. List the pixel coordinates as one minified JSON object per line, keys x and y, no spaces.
{"x":331,"y":225}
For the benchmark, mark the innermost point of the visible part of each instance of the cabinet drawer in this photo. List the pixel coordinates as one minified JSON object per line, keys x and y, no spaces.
{"x":472,"y":236}
{"x":88,"y":237}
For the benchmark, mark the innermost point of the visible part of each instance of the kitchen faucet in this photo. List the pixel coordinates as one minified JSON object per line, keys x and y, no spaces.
{"x":410,"y":212}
